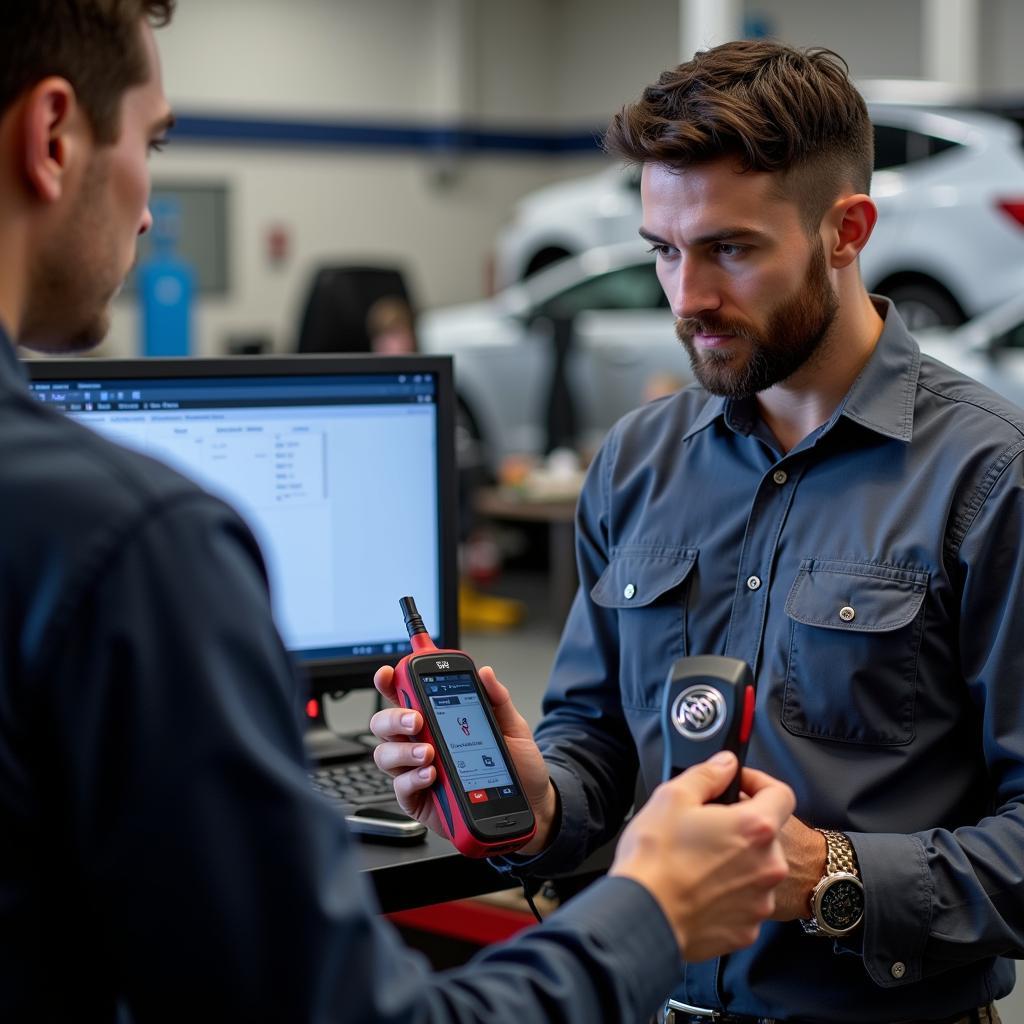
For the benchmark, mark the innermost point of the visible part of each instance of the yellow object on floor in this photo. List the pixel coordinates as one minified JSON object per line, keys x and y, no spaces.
{"x":485,"y":611}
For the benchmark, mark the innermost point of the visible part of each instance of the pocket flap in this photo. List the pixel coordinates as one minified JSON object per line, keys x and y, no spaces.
{"x":638,"y":576}
{"x":860,"y":597}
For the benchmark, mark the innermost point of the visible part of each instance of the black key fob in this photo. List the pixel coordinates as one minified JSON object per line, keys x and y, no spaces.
{"x":708,"y":706}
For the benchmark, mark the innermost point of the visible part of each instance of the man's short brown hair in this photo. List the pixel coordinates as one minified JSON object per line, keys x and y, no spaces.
{"x":770,"y":106}
{"x":94,"y":44}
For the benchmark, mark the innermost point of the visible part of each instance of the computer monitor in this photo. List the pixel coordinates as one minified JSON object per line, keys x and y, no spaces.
{"x":342,"y":465}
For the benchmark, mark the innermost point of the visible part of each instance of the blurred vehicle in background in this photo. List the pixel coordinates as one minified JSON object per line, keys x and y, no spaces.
{"x":949,"y":243}
{"x":567,"y":218}
{"x":555,"y":360}
{"x":989,"y":348}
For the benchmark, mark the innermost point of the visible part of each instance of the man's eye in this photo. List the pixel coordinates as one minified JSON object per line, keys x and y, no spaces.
{"x":157,"y":145}
{"x":727,"y":249}
{"x":661,"y":249}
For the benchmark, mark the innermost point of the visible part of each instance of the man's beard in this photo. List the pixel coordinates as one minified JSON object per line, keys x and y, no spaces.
{"x":794,"y":332}
{"x":71,"y":284}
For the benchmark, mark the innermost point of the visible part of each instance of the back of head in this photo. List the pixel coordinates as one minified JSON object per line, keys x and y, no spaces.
{"x":94,"y":44}
{"x":770,"y":107}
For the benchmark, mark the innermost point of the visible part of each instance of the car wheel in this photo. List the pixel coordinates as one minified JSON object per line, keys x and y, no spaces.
{"x":923,"y":304}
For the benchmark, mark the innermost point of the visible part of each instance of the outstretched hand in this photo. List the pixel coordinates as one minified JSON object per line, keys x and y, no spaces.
{"x":411,"y":764}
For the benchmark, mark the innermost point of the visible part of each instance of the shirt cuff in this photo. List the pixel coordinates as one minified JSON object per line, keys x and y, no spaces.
{"x":567,"y":849}
{"x":623,"y":915}
{"x":898,"y":900}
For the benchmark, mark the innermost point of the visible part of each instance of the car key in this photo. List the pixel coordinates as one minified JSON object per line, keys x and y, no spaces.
{"x":707,"y":706}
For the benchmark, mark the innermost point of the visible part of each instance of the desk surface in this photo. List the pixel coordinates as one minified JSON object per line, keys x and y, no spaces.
{"x":429,"y":872}
{"x":499,"y":503}
{"x":560,"y":515}
{"x":435,"y":872}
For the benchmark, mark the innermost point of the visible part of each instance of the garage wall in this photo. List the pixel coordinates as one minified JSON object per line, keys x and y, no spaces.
{"x":534,"y":66}
{"x":1002,"y":33}
{"x":305,"y":56}
{"x":878,"y":38}
{"x":609,"y":51}
{"x":374,"y":64}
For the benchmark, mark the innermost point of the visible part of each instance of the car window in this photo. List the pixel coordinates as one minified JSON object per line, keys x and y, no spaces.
{"x":633,"y":287}
{"x":890,"y":146}
{"x":1011,"y":111}
{"x":896,"y":147}
{"x":936,"y":145}
{"x":1013,"y":338}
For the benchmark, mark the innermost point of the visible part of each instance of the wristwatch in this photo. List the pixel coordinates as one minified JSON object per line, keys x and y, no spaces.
{"x":837,"y":902}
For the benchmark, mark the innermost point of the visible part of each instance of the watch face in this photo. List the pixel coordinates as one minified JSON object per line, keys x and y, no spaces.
{"x":842,"y":904}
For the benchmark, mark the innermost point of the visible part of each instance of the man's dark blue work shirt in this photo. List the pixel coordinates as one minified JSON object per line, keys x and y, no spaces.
{"x":901,"y":724}
{"x":162,"y":854}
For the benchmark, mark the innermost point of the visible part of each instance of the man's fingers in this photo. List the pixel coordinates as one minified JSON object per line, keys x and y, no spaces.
{"x":771,"y":797}
{"x":509,"y":720}
{"x":384,"y":680}
{"x":752,"y":780}
{"x":409,"y":785}
{"x":400,"y":757}
{"x":396,"y":723}
{"x":705,"y":781}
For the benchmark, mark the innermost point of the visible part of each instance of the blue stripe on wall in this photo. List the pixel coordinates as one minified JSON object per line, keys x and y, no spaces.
{"x":241,"y":131}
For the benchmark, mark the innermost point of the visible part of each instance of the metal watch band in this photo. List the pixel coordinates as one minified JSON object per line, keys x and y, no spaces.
{"x":840,"y":863}
{"x":840,"y":853}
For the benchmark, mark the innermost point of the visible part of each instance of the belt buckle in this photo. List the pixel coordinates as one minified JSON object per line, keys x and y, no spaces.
{"x":674,"y":1006}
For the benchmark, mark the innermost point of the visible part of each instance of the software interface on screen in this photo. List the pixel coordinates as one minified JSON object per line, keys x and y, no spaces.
{"x":468,"y":734}
{"x":336,"y":475}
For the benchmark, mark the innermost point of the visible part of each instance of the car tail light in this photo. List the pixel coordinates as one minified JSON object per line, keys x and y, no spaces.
{"x":1013,"y":207}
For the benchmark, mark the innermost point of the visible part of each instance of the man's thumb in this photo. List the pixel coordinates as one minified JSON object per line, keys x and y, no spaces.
{"x":711,"y":778}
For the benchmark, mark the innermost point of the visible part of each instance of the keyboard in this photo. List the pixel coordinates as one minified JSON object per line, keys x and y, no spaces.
{"x":354,"y":783}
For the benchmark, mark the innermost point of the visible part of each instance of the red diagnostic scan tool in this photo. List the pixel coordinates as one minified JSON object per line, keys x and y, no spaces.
{"x":477,"y":792}
{"x":708,"y":706}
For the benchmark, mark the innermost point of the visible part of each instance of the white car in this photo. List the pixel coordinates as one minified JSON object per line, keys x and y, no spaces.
{"x":949,"y":243}
{"x":515,"y":391}
{"x":514,"y":397}
{"x":989,"y":348}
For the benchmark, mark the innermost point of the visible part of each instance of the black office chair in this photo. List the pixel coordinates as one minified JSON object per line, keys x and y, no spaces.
{"x":341,"y":301}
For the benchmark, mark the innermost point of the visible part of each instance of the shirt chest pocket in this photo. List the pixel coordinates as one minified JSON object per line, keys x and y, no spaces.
{"x":855,"y":634}
{"x":648,"y":588}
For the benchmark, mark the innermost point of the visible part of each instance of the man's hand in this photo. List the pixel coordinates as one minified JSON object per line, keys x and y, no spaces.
{"x":411,"y":764}
{"x":713,"y":868}
{"x":807,"y":857}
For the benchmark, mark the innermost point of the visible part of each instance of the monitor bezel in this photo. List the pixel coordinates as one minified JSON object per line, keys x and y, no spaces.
{"x":324,"y":675}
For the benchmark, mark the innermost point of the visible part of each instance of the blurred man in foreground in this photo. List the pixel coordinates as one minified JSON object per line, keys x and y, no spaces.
{"x":162,"y":854}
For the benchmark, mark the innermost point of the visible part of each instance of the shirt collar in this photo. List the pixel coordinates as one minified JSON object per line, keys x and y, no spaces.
{"x":881,"y":398}
{"x":714,"y":407}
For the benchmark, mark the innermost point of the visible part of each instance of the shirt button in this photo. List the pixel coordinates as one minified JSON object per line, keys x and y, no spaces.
{"x":847,"y":614}
{"x":630,"y":592}
{"x":753,"y":583}
{"x":898,"y":969}
{"x":780,"y":476}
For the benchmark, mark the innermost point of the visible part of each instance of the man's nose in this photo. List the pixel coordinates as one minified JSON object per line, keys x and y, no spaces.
{"x":691,"y":290}
{"x":146,"y":222}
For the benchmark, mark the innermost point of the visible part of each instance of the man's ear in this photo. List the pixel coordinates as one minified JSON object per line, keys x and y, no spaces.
{"x":51,"y":119}
{"x":849,"y":223}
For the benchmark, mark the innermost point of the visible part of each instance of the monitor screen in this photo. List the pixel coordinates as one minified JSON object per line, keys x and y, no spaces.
{"x":343,"y":467}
